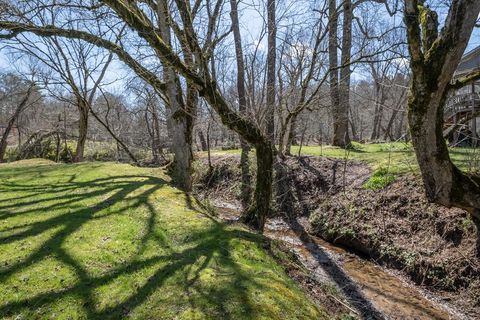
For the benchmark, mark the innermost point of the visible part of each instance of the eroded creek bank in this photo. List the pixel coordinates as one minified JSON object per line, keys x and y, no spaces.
{"x":415,"y":260}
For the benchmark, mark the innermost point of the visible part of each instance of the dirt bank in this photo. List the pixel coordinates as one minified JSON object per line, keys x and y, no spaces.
{"x":434,"y":245}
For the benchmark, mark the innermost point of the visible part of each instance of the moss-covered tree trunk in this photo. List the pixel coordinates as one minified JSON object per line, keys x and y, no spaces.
{"x":292,"y":133}
{"x":255,"y":216}
{"x":434,"y":58}
{"x":180,"y":113}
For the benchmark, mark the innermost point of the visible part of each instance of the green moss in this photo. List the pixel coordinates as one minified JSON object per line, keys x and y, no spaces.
{"x":111,"y":241}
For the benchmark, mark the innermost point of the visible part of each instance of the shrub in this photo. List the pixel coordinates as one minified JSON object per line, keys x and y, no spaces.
{"x":380,"y":179}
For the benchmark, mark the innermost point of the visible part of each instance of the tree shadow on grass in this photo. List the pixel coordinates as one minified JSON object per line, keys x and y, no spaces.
{"x":198,"y":250}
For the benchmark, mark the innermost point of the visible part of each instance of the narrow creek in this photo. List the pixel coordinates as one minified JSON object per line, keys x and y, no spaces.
{"x":372,"y":291}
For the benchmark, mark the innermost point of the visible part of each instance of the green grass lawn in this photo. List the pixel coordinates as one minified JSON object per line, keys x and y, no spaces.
{"x":110,"y":241}
{"x":396,"y":157}
{"x":387,"y":160}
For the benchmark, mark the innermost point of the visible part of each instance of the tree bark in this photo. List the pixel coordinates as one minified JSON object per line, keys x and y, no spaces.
{"x":292,"y":134}
{"x":246,"y":189}
{"x":179,"y":113}
{"x":83,"y":111}
{"x":256,"y":214}
{"x":434,"y":58}
{"x":333,"y":75}
{"x":21,"y":106}
{"x":271,"y":69}
{"x":203,"y":141}
{"x":341,"y":136}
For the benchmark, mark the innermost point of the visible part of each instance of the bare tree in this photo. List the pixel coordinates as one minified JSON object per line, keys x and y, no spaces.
{"x":199,"y":76}
{"x":70,"y":65}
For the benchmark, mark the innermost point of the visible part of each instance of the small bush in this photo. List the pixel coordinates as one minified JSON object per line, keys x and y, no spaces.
{"x":380,"y":179}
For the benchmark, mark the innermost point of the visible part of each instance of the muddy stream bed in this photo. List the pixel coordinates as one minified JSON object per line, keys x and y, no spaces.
{"x":371,"y":291}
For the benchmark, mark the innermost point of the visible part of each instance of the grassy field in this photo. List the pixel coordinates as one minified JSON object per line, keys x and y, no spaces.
{"x":397,"y":157}
{"x":387,"y":160}
{"x":111,"y":241}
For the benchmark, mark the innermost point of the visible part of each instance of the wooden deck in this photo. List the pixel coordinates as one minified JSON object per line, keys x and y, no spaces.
{"x":461,"y":106}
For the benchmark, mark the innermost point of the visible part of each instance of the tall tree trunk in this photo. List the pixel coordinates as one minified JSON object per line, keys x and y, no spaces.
{"x":246,"y":189}
{"x":83,"y":111}
{"x":271,"y":69}
{"x":388,"y":130}
{"x":341,"y":135}
{"x":434,"y":58}
{"x":258,"y":211}
{"x":338,"y":134}
{"x":21,"y":106}
{"x":180,"y":115}
{"x":376,"y":114}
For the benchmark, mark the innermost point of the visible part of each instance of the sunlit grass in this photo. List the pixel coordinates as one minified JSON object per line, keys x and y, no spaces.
{"x":396,"y":157}
{"x":387,"y":160}
{"x":111,"y":241}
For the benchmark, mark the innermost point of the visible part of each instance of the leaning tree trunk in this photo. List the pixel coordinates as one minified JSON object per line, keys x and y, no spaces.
{"x":434,"y":58}
{"x":83,"y":110}
{"x":11,"y":122}
{"x":259,"y":209}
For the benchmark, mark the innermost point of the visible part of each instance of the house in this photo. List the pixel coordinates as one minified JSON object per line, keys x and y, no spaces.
{"x":462,"y":109}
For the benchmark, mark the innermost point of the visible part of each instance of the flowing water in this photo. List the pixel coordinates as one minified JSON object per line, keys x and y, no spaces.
{"x":373,"y":292}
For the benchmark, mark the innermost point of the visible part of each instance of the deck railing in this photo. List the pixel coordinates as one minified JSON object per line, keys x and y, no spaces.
{"x":461,"y":103}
